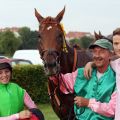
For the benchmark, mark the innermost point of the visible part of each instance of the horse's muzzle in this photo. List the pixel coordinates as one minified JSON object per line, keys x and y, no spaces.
{"x":52,"y":68}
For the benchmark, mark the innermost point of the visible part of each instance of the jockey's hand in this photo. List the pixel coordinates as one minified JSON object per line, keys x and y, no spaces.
{"x":88,"y":70}
{"x":25,"y":114}
{"x":81,"y":101}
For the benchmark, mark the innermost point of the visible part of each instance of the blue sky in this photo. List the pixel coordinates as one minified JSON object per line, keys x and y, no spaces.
{"x":80,"y":15}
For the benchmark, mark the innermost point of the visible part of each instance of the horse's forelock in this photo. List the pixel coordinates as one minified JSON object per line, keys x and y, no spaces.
{"x":49,"y":20}
{"x":46,"y":21}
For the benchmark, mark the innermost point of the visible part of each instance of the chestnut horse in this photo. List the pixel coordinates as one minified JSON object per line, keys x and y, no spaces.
{"x":58,"y":57}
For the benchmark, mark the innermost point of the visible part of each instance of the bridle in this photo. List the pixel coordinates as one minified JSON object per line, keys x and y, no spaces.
{"x":56,"y":54}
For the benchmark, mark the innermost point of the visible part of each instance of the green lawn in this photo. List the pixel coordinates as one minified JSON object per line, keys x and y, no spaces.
{"x":48,"y":112}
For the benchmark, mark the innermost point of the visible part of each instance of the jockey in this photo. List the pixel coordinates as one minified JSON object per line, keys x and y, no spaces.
{"x":13,"y":98}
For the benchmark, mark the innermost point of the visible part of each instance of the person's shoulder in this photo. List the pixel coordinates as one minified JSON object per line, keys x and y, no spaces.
{"x":17,"y":87}
{"x":115,"y":60}
{"x":115,"y":57}
{"x":14,"y":85}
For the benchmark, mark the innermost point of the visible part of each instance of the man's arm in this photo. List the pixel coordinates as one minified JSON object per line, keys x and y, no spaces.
{"x":88,"y":69}
{"x":21,"y":115}
{"x":28,"y":101}
{"x":11,"y":117}
{"x":67,"y":82}
{"x":105,"y":109}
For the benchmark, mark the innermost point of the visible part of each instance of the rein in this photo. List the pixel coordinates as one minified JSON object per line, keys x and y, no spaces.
{"x":54,"y":94}
{"x":56,"y":100}
{"x":75,"y":59}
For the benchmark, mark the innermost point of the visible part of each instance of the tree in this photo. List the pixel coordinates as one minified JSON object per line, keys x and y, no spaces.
{"x":33,"y":40}
{"x":9,"y":43}
{"x":82,"y":43}
{"x":85,"y":42}
{"x":29,"y":38}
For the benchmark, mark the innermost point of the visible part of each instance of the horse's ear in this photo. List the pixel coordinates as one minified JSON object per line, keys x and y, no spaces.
{"x":38,"y":16}
{"x":60,"y":15}
{"x":96,"y":36}
{"x":100,"y":34}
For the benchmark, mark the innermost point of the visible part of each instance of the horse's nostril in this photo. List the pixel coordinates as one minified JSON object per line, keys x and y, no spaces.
{"x":45,"y":64}
{"x":50,"y":65}
{"x":54,"y":64}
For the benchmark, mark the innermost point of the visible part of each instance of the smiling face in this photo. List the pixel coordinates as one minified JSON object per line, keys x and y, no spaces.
{"x":101,"y":57}
{"x":116,"y":44}
{"x":5,"y":75}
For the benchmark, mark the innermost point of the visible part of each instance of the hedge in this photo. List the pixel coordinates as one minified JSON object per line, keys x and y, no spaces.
{"x":33,"y":79}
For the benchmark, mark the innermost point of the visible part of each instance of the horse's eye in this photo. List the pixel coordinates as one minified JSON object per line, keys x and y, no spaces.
{"x":39,"y":36}
{"x":60,"y":38}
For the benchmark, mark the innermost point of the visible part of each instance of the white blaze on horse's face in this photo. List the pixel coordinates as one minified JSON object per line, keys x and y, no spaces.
{"x":49,"y":27}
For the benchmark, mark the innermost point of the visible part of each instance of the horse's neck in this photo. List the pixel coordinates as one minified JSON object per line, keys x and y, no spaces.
{"x":67,"y":60}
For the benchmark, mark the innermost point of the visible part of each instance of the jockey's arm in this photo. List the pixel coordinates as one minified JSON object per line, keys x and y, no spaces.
{"x":67,"y":81}
{"x":105,"y":109}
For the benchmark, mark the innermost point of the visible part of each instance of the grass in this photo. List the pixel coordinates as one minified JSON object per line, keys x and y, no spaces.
{"x":48,"y":112}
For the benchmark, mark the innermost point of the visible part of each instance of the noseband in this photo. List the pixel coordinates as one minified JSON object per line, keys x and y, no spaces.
{"x":53,"y":53}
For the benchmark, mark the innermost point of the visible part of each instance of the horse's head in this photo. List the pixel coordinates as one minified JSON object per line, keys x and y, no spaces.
{"x":98,"y":35}
{"x":51,"y":40}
